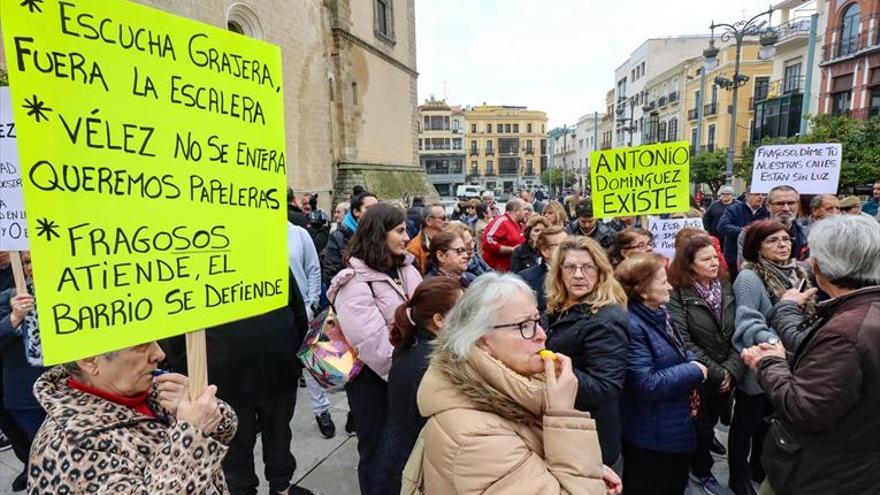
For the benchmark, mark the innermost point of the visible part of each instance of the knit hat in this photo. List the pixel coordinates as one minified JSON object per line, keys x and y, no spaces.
{"x":849,"y":202}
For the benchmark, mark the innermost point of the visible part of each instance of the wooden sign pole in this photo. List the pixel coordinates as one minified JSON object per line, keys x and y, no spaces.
{"x":196,"y":363}
{"x":18,"y":272}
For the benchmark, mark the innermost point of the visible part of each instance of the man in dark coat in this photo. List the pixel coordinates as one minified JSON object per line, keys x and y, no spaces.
{"x":295,"y":214}
{"x":587,"y":225}
{"x":734,"y":218}
{"x":331,"y":257}
{"x":716,"y":209}
{"x":254,"y":365}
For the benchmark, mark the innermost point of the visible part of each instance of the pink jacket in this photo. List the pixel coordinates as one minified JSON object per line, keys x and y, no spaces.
{"x":365,"y":301}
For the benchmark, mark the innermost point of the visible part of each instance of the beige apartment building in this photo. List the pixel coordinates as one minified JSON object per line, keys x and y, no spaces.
{"x":441,"y":145}
{"x":350,"y":88}
{"x":506,"y":147}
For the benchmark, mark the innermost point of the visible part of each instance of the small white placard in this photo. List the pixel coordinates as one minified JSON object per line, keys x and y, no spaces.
{"x":809,"y":168}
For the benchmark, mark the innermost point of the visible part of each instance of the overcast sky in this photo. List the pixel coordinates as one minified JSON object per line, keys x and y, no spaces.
{"x":557,"y":56}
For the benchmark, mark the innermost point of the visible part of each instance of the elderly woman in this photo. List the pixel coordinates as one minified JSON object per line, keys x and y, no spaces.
{"x":417,"y":323}
{"x":824,"y":435}
{"x":630,"y":241}
{"x":526,"y":255}
{"x":500,"y":418}
{"x":555,"y":214}
{"x":703,"y":307}
{"x":448,"y":257}
{"x":661,"y":396}
{"x":476,"y":265}
{"x":587,"y":320}
{"x":768,"y":272}
{"x":113,"y":428}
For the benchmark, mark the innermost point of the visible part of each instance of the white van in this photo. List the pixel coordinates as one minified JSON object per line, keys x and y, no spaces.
{"x":468,"y":191}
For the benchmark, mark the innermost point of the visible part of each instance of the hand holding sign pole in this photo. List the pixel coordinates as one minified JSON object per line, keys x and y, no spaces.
{"x":154,"y":175}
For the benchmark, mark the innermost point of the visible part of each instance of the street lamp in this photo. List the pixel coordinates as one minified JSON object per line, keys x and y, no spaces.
{"x":737,"y":32}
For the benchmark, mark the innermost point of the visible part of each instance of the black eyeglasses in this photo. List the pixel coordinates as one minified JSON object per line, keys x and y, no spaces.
{"x":459,"y":251}
{"x":527,"y":328}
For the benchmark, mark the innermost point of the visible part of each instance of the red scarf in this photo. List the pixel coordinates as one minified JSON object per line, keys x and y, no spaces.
{"x":137,"y":403}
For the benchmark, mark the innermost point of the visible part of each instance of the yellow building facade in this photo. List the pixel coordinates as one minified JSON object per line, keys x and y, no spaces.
{"x":717,"y":101}
{"x":506,"y":147}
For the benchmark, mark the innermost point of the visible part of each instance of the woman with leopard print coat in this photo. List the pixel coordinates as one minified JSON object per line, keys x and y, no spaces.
{"x":113,"y":428}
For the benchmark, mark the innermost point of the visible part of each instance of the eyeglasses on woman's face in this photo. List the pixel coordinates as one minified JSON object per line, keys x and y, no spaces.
{"x":527,"y":328}
{"x":772,"y":241}
{"x":459,"y":251}
{"x":587,"y":269}
{"x":641,"y":246}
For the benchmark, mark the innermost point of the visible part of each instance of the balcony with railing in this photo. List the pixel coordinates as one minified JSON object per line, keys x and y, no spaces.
{"x":508,"y":170}
{"x":673,"y":97}
{"x":847,"y":45}
{"x":662,"y":102}
{"x":799,"y":27}
{"x":710,"y":109}
{"x":473,"y":152}
{"x":692,"y":114}
{"x":490,"y":151}
{"x":490,"y":172}
{"x":791,"y":85}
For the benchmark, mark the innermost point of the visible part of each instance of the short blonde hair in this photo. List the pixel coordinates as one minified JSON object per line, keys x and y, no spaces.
{"x":558,"y":211}
{"x":607,"y":291}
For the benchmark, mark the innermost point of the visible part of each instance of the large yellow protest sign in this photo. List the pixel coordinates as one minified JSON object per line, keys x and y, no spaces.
{"x":650,"y":179}
{"x":153,"y":160}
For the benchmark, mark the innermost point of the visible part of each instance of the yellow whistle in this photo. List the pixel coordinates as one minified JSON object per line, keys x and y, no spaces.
{"x":546,"y":354}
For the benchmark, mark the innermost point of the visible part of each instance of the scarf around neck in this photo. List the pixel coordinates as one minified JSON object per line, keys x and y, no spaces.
{"x":711,"y":295}
{"x":350,"y":222}
{"x":780,"y":277}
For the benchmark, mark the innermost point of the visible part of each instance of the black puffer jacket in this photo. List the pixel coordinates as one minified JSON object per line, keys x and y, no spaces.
{"x":597,"y":344}
{"x":331,"y":258}
{"x":523,"y":257}
{"x":706,"y":337}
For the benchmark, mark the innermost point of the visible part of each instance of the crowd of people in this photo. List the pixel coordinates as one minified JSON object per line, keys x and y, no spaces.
{"x":767,"y":321}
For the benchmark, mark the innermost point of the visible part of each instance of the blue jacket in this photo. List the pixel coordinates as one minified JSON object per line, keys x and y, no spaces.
{"x":656,"y":394}
{"x":535,"y":277}
{"x":18,"y":376}
{"x":734,"y":218}
{"x":871,"y":207}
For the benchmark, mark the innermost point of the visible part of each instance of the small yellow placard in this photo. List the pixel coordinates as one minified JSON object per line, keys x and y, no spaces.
{"x":153,"y":159}
{"x":643,"y":180}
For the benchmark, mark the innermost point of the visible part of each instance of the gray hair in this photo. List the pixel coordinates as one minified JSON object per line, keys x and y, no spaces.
{"x":781,"y":188}
{"x":514,"y":204}
{"x":725,"y":189}
{"x":846,"y":249}
{"x":477,"y":312}
{"x":72,"y":368}
{"x":817,"y":201}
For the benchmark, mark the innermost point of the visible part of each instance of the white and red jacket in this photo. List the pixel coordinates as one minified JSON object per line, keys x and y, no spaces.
{"x":503,"y":230}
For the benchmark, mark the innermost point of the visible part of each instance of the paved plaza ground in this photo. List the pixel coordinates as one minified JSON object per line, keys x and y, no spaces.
{"x":327,"y":467}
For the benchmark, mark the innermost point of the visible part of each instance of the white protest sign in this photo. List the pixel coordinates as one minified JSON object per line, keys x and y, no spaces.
{"x":13,"y":228}
{"x":664,"y":232}
{"x":809,"y":168}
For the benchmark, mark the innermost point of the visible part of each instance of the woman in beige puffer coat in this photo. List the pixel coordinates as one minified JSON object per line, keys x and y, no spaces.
{"x":495,"y":426}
